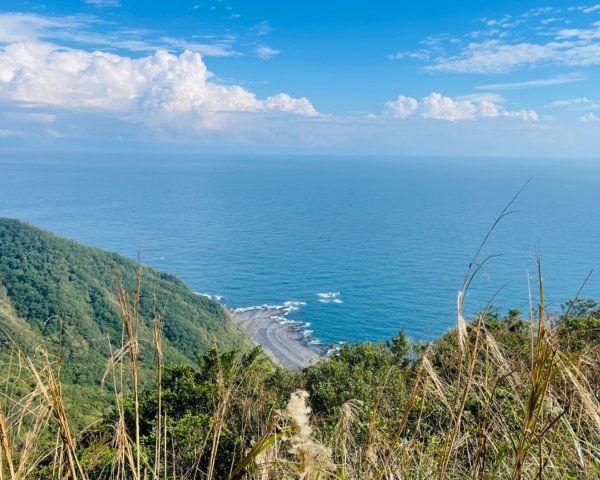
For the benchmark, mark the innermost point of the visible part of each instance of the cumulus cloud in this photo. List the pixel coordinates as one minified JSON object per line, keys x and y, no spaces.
{"x":445,"y":108}
{"x":282,"y":102}
{"x":439,"y":107}
{"x":589,"y":117}
{"x":159,"y":90}
{"x":402,"y":107}
{"x":162,"y":84}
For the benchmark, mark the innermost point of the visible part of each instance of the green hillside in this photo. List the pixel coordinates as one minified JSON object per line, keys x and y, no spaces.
{"x":47,"y":282}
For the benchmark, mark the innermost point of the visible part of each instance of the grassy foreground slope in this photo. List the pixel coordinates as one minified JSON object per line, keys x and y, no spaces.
{"x":60,"y":295}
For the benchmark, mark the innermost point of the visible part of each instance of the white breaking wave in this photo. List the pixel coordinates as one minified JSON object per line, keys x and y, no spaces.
{"x":288,"y":322}
{"x":264,"y":306}
{"x":294,"y":303}
{"x":328,"y":294}
{"x":332,"y":350}
{"x":217,"y":298}
{"x":330,"y":297}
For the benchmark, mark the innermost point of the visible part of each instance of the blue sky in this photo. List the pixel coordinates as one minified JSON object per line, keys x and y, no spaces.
{"x":408,"y":78}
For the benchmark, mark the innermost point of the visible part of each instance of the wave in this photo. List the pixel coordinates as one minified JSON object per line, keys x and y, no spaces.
{"x":330,"y":297}
{"x":216,"y":298}
{"x":288,"y":322}
{"x":264,"y":306}
{"x":328,"y":294}
{"x":332,"y":350}
{"x":294,"y":303}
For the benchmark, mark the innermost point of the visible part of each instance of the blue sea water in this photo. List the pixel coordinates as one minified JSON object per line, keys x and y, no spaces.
{"x":392,"y":236}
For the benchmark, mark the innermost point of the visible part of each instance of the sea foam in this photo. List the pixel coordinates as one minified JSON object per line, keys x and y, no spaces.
{"x":330,"y":297}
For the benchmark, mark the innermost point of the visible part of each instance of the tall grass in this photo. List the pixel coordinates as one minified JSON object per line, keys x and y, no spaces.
{"x":501,"y":412}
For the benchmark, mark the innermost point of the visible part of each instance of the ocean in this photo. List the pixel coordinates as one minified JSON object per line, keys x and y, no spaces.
{"x":370,"y":245}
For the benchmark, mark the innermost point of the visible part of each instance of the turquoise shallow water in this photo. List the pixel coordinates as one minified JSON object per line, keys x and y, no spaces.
{"x":392,"y":236}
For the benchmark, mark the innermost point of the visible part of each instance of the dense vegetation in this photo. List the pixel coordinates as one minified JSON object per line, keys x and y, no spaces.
{"x":514,"y":396}
{"x":62,"y":296}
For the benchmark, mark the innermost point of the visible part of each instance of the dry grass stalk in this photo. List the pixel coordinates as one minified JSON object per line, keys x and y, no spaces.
{"x":131,"y":319}
{"x":344,"y":441}
{"x":157,"y":332}
{"x":457,"y":416}
{"x":4,"y":434}
{"x":314,"y":458}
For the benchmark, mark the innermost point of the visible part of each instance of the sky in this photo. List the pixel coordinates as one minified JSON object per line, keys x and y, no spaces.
{"x":446,"y":78}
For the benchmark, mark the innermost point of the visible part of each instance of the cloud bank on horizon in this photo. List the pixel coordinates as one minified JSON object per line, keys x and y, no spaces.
{"x":90,"y":75}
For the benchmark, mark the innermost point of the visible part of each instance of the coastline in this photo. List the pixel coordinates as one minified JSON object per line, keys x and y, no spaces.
{"x":287,"y":342}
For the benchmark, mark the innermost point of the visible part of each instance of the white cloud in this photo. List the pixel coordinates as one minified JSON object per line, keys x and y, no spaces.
{"x":591,"y":8}
{"x":536,"y":12}
{"x":505,"y":22}
{"x":525,"y":115}
{"x":495,"y":56}
{"x":20,"y":27}
{"x":220,"y":48}
{"x":579,"y":103}
{"x":103,"y":3}
{"x":84,"y":30}
{"x":510,"y":43}
{"x":402,"y":107}
{"x":583,"y":34}
{"x":261,"y":29}
{"x":548,"y":21}
{"x":265,"y":52}
{"x":37,"y":117}
{"x":422,"y":55}
{"x":282,"y":102}
{"x":589,"y":117}
{"x":445,"y":108}
{"x":544,"y":82}
{"x":6,"y":133}
{"x":162,"y":85}
{"x":468,"y":107}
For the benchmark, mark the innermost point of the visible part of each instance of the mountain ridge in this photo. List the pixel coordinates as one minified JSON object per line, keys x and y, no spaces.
{"x":60,"y":295}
